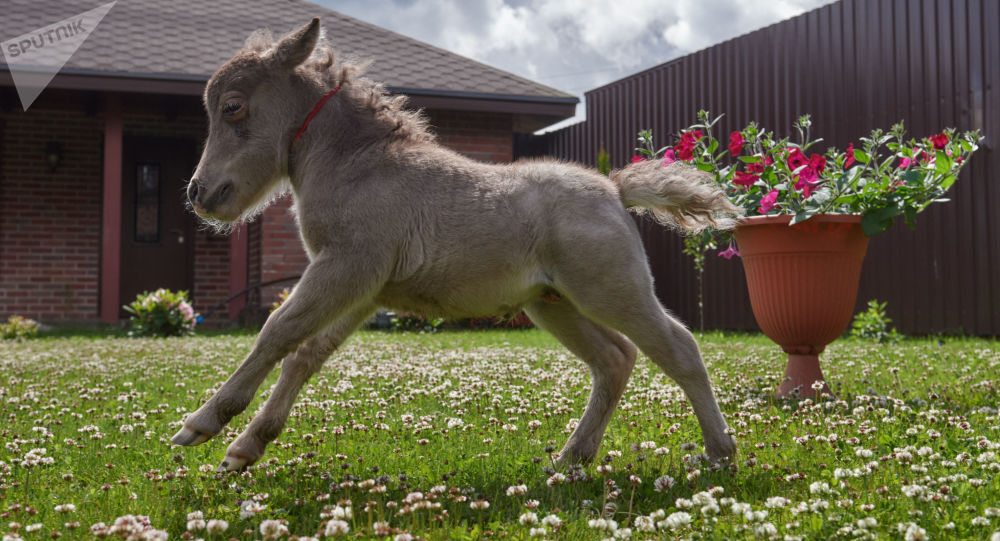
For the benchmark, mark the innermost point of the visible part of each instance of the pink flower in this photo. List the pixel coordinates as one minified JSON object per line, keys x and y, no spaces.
{"x":808,"y":177}
{"x":736,"y":143}
{"x":939,"y":140}
{"x":745,"y":179}
{"x":668,"y":157}
{"x":905,"y":162}
{"x":768,"y":202}
{"x":730,"y":252}
{"x":850,"y":156}
{"x":637,"y":158}
{"x":807,"y":182}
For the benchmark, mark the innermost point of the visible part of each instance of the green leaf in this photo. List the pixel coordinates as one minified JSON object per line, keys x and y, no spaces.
{"x":707,"y":167}
{"x":942,"y":162}
{"x":861,"y":156}
{"x":751,"y":159}
{"x":947,"y":182}
{"x":879,"y":220}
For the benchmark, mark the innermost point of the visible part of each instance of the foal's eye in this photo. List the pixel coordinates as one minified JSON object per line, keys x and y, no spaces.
{"x":231,"y":108}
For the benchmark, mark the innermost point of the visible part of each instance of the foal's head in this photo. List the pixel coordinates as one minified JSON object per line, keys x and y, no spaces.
{"x":255,"y":103}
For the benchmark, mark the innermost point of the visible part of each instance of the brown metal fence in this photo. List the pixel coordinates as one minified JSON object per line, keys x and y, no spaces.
{"x":854,"y":65}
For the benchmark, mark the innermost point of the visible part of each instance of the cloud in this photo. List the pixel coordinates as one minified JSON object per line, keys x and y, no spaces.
{"x":568,"y":44}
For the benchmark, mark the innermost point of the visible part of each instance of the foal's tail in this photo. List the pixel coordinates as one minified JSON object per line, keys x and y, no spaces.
{"x":676,"y":195}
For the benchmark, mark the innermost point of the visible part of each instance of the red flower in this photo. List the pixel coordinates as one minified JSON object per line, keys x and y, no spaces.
{"x":850,"y":156}
{"x":768,"y":202}
{"x":755,"y":168}
{"x":637,"y":158}
{"x":939,"y":140}
{"x":684,"y":151}
{"x":817,"y":163}
{"x":736,"y":143}
{"x":796,"y":159}
{"x":745,"y":179}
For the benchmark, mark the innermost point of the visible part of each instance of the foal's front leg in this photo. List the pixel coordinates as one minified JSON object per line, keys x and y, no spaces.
{"x":296,"y":370}
{"x":329,"y":288}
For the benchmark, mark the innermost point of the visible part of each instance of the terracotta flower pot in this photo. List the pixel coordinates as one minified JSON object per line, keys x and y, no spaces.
{"x":803,"y":282}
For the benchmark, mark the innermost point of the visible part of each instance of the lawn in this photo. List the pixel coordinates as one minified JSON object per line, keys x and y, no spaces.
{"x":448,"y":436}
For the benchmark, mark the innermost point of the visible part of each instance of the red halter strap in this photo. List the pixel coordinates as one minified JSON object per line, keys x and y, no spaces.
{"x":312,"y":114}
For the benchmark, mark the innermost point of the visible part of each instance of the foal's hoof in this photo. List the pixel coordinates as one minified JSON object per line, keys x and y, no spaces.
{"x":235,"y":463}
{"x":190,"y":437}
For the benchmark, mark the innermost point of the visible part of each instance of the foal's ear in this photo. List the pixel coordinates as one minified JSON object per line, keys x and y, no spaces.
{"x":296,"y":47}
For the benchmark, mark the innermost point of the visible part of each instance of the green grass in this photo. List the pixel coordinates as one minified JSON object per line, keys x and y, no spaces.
{"x":910,"y":440}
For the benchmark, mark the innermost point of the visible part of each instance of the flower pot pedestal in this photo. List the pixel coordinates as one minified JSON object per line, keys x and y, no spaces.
{"x":803,"y":282}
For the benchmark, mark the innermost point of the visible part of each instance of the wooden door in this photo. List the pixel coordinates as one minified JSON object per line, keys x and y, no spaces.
{"x":157,"y":229}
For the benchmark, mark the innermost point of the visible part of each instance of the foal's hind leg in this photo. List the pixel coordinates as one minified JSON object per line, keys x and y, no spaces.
{"x":610,"y":357}
{"x":614,"y":288}
{"x":296,"y":370}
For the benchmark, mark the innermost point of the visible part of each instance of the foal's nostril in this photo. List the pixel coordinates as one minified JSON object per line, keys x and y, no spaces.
{"x":226,"y":189}
{"x":193,"y":190}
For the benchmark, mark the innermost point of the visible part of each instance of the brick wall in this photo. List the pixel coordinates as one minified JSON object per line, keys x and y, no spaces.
{"x":50,"y":220}
{"x":486,"y":137}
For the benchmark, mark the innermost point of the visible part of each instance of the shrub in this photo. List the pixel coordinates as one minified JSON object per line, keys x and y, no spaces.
{"x":18,"y":328}
{"x":282,"y":297}
{"x":161,"y":313}
{"x":413,"y":322}
{"x":873,"y":324}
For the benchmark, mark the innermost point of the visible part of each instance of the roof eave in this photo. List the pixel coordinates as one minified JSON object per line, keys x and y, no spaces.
{"x":545,"y":107}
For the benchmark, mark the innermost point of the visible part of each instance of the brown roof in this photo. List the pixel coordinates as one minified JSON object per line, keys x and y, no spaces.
{"x":186,"y":40}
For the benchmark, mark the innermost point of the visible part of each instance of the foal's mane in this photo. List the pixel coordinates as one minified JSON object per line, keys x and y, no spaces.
{"x":327,"y":70}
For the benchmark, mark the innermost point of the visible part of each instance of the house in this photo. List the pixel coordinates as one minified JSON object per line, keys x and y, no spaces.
{"x":92,"y":174}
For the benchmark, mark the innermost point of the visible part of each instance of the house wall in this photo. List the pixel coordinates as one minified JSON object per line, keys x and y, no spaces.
{"x":50,"y":220}
{"x":486,"y":137}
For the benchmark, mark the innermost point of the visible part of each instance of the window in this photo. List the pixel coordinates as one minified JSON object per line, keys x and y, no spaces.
{"x":147,"y":203}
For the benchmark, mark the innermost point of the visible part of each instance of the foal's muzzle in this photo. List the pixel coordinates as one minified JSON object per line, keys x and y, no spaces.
{"x":205,"y":200}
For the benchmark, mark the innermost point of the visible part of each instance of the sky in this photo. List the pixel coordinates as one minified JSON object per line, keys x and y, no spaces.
{"x":572,"y":45}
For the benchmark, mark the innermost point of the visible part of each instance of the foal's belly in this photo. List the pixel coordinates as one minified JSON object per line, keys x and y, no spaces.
{"x":456,"y":299}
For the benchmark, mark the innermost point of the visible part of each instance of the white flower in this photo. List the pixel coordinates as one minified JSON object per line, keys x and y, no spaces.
{"x":980,"y":521}
{"x":676,"y":520}
{"x":65,"y":508}
{"x":517,"y":490}
{"x":552,"y":521}
{"x":216,"y":526}
{"x":479,"y":505}
{"x":536,"y":532}
{"x":916,"y":533}
{"x":403,"y":537}
{"x":249,"y":508}
{"x":777,"y":502}
{"x":603,"y":524}
{"x":644,"y":524}
{"x":528,"y":519}
{"x":336,"y":528}
{"x":272,"y":529}
{"x":663,"y":483}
